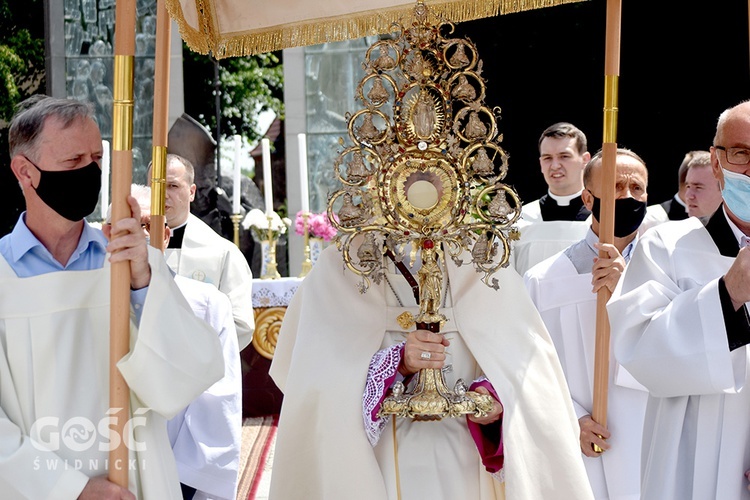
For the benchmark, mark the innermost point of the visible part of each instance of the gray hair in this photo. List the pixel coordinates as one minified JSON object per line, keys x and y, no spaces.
{"x":31,"y":114}
{"x":597,"y":159}
{"x":723,"y":117}
{"x":142,"y":194}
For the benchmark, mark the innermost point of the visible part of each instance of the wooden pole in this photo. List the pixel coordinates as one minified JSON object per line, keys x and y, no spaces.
{"x":122,"y":174}
{"x":160,"y":125}
{"x":607,"y":212}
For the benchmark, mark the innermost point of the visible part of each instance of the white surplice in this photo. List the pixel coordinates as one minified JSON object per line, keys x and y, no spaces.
{"x":207,"y":256}
{"x":206,"y":436}
{"x":568,"y":308}
{"x":655,"y":215}
{"x":327,"y":338}
{"x":668,"y":331}
{"x":542,"y":239}
{"x":54,"y":381}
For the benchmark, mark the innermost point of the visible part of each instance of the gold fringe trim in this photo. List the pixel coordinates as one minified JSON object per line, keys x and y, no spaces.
{"x":316,"y":31}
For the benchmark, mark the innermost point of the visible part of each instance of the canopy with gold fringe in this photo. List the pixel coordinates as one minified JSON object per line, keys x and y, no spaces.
{"x":231,"y":28}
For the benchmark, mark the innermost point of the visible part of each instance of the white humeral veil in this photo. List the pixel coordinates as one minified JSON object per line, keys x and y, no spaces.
{"x":328,"y":336}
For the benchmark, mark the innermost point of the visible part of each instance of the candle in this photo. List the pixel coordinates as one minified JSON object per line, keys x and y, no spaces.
{"x":105,"y":179}
{"x":267,"y":187}
{"x":303,"y":173}
{"x":236,"y":192}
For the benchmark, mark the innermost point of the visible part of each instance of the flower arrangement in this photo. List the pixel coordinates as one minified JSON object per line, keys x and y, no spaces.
{"x":318,"y":226}
{"x":258,"y":222}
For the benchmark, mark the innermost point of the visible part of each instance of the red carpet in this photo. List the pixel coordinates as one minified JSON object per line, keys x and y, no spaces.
{"x":258,"y":435}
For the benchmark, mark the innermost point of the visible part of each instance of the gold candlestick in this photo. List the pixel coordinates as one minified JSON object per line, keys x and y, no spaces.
{"x":307,"y":263}
{"x":272,"y":272}
{"x":236,"y":218}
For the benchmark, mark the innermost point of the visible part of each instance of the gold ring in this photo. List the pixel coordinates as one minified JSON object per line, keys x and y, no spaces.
{"x":596,"y":447}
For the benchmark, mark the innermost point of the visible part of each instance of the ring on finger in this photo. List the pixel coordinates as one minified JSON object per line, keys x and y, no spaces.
{"x":426,"y":355}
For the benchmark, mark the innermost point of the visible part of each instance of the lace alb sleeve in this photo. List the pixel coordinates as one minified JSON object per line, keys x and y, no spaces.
{"x":383,"y":371}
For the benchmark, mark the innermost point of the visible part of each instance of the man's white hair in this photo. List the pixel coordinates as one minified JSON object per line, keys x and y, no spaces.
{"x":141,"y":193}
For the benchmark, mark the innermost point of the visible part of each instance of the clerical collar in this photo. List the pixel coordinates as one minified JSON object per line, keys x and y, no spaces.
{"x":178,"y":233}
{"x":551,"y":210}
{"x":564,"y":201}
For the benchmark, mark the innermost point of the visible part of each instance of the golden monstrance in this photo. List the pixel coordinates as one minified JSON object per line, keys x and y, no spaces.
{"x":422,"y":172}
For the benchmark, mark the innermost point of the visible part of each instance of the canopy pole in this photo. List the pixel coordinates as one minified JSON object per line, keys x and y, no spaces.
{"x":160,"y":125}
{"x":607,"y":212}
{"x":122,"y":174}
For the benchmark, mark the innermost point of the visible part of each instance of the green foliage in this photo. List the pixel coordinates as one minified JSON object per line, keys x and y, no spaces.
{"x":10,"y":65}
{"x":21,"y":53}
{"x":21,"y":75}
{"x":248,"y":85}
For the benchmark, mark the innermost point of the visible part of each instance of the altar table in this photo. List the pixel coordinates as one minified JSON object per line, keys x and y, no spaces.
{"x":260,"y":396}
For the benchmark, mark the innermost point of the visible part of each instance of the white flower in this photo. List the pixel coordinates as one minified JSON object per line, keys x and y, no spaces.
{"x":259,"y":222}
{"x":277,"y":225}
{"x":255,"y":218}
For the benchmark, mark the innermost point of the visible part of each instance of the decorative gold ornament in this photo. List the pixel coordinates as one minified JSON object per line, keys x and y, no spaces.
{"x":424,"y":170}
{"x":267,"y":325}
{"x":406,"y":320}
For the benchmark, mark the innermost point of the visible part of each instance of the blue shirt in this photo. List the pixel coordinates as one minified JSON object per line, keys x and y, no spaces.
{"x":583,"y":253}
{"x":28,"y":257}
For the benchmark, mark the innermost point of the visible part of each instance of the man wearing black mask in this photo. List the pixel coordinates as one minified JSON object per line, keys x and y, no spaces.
{"x":54,"y":325}
{"x":564,"y":289}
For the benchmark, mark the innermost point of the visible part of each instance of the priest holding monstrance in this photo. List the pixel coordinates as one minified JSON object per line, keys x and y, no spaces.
{"x":438,"y":379}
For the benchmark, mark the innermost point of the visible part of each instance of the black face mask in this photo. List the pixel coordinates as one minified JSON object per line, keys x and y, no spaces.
{"x":71,"y":193}
{"x":629,"y":214}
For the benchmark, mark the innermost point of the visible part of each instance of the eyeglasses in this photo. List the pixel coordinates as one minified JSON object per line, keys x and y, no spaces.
{"x":736,"y":156}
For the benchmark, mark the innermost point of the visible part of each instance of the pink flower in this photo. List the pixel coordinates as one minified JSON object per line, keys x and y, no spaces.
{"x":299,"y":224}
{"x":318,"y":226}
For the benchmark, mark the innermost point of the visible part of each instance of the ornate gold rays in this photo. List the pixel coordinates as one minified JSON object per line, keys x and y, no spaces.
{"x":424,"y":160}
